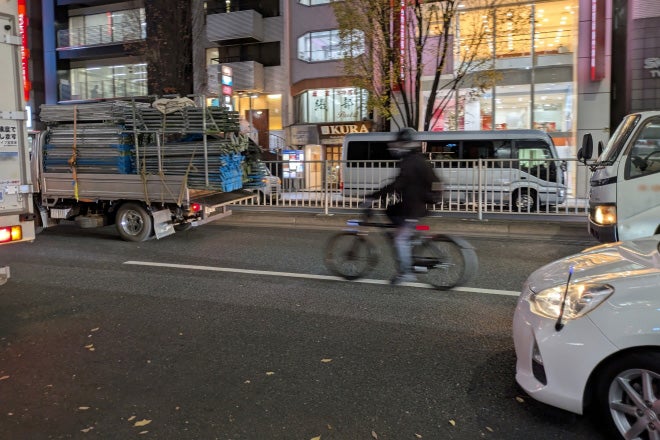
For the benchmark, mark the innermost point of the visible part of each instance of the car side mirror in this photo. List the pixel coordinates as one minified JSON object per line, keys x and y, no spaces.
{"x":587,"y":149}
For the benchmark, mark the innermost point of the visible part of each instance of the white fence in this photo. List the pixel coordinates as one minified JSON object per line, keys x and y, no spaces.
{"x":475,"y":187}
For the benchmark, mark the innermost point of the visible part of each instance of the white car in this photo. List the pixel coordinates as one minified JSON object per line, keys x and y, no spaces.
{"x":587,"y":336}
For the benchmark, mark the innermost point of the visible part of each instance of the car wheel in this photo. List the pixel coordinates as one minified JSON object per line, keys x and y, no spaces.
{"x":524,"y":200}
{"x":134,"y":222}
{"x":628,"y":396}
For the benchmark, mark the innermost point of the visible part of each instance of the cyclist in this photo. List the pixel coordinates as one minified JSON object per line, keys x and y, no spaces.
{"x":414,"y":186}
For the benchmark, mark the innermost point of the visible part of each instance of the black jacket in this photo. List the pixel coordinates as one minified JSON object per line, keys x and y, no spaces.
{"x":413,"y":184}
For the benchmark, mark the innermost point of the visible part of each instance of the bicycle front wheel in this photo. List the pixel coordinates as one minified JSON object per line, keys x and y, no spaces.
{"x":442,"y":263}
{"x":350,"y":255}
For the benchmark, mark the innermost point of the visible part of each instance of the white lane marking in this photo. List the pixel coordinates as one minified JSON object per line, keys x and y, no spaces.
{"x":311,"y":276}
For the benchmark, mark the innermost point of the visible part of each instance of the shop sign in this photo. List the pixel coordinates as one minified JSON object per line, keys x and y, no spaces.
{"x":333,"y":134}
{"x":653,"y":66}
{"x":344,"y":129}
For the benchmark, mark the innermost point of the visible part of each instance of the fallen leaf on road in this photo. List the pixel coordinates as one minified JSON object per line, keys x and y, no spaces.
{"x":131,"y":418}
{"x":269,"y":373}
{"x":143,"y":422}
{"x":374,"y":435}
{"x":452,"y":422}
{"x":86,"y":430}
{"x":316,"y":438}
{"x":418,"y":436}
{"x":95,"y":329}
{"x":143,"y":432}
{"x":247,"y":381}
{"x":83,"y":408}
{"x":4,"y":377}
{"x":520,"y":399}
{"x":325,"y":361}
{"x":489,"y":429}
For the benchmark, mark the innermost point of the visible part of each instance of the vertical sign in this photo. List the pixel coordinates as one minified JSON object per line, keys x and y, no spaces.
{"x":25,"y":51}
{"x":597,"y":43}
{"x":227,"y":86}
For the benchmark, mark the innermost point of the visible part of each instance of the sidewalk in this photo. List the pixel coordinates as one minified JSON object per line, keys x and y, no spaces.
{"x":546,"y":229}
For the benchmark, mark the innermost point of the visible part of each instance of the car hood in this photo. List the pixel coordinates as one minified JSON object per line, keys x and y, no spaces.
{"x":601,"y":264}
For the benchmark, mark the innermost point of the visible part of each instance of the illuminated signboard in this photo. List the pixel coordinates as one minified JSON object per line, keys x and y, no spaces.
{"x":25,"y":52}
{"x":597,"y":43}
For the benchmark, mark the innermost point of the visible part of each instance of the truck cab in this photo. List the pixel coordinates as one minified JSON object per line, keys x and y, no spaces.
{"x":624,"y":197}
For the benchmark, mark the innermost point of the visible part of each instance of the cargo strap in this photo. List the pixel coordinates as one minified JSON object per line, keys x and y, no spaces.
{"x":74,"y":153}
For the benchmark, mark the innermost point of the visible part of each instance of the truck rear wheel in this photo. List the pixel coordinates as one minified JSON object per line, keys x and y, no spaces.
{"x":134,"y":222}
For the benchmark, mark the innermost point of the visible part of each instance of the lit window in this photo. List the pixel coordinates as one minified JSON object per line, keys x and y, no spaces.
{"x":327,"y":46}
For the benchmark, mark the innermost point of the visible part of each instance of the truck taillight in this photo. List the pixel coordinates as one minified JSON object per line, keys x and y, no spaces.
{"x":195,"y":207}
{"x":10,"y":233}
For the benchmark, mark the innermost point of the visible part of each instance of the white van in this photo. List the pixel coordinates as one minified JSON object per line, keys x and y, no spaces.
{"x":624,"y":201}
{"x":516,"y":168}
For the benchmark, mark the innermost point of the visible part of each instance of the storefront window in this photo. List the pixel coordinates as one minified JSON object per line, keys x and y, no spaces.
{"x":553,"y":107}
{"x":512,"y":107}
{"x":331,"y":105}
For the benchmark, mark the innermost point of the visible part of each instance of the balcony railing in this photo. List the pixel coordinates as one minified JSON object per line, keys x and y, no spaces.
{"x":101,"y":35}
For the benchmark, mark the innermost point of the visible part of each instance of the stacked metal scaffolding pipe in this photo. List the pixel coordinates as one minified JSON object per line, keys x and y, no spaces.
{"x":101,"y":137}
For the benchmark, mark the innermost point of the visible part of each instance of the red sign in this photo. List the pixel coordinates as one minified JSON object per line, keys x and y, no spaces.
{"x":597,"y":43}
{"x":226,"y":90}
{"x":25,"y":51}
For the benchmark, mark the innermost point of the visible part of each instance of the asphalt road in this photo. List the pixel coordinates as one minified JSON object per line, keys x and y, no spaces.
{"x":237,"y":332}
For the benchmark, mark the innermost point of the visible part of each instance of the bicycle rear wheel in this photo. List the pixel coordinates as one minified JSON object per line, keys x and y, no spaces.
{"x":442,"y":263}
{"x":350,"y":255}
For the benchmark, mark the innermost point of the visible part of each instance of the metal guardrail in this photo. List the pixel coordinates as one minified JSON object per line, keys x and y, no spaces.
{"x":317,"y":186}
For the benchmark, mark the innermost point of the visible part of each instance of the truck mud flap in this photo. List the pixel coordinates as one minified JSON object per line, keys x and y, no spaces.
{"x":4,"y":274}
{"x":162,"y":223}
{"x":215,"y":206}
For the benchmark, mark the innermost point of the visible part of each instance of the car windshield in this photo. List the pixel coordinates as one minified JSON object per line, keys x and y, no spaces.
{"x":619,"y":138}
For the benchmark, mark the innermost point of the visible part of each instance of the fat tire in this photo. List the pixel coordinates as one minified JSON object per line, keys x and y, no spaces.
{"x":351,"y":267}
{"x":133,"y":222}
{"x":607,"y":388}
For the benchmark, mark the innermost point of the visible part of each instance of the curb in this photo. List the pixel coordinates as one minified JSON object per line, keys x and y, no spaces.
{"x":563,"y":230}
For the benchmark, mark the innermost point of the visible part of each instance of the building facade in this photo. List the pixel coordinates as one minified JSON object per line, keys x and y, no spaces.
{"x":575,"y":66}
{"x":247,"y":37}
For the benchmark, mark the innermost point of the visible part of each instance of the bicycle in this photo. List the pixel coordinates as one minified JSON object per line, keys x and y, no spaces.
{"x":441,"y":260}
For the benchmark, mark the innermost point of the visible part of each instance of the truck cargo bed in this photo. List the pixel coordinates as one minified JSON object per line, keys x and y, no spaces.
{"x":115,"y":187}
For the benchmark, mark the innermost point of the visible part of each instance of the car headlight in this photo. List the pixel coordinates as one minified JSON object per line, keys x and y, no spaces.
{"x":580,"y":299}
{"x":605,"y":215}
